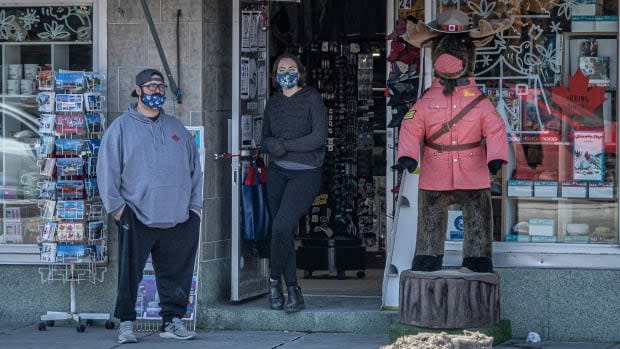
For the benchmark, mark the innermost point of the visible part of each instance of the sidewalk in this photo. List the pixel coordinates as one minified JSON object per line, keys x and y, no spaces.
{"x":64,"y":335}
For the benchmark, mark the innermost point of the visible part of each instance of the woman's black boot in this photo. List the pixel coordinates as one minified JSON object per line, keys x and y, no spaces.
{"x":295,"y":300}
{"x":276,"y":297}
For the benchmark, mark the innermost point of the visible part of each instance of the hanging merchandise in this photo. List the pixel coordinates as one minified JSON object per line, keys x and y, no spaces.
{"x":256,"y":220}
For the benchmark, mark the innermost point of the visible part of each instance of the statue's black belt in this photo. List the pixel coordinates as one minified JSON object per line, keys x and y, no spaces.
{"x":452,"y":147}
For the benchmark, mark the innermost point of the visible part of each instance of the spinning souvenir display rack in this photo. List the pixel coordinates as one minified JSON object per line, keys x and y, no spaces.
{"x":73,"y":237}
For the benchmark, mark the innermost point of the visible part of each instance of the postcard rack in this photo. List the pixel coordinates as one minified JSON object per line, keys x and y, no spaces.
{"x":73,"y":237}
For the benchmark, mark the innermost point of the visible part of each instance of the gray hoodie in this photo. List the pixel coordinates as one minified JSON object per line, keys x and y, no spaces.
{"x":152,"y":166}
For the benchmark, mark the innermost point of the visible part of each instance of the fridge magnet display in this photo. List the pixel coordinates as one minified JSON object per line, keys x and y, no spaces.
{"x":70,"y":81}
{"x":588,"y":156}
{"x":69,"y":124}
{"x":69,"y":102}
{"x":94,"y":101}
{"x":46,"y":123}
{"x":45,"y":101}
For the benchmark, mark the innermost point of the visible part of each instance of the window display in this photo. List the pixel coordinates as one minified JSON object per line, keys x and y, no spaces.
{"x":35,"y":43}
{"x":553,"y":77}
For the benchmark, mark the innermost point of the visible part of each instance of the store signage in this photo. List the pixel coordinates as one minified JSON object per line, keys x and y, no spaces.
{"x":578,"y":99}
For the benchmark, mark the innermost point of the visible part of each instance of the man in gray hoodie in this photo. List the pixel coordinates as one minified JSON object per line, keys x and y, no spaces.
{"x":150,"y":179}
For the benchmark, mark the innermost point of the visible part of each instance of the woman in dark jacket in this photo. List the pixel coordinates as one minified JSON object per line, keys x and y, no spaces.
{"x":294,"y":135}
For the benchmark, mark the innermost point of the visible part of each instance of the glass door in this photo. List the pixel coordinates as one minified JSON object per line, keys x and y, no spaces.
{"x":249,"y":264}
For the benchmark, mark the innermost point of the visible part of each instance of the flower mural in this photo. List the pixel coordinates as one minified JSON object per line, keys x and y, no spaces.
{"x":52,"y":23}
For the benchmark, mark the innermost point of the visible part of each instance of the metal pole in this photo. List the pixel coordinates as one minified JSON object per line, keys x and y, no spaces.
{"x":160,"y":50}
{"x":73,"y":295}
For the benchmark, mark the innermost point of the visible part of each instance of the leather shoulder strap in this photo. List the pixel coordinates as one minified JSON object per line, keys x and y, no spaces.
{"x":448,"y":125}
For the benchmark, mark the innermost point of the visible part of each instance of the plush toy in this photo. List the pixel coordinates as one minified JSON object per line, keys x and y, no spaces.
{"x":463,"y":140}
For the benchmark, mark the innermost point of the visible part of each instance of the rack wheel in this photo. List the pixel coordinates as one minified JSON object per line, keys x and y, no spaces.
{"x":307,"y":274}
{"x":90,"y":322}
{"x":42,"y":326}
{"x":109,"y":324}
{"x":81,"y":328}
{"x":361,"y":274}
{"x":341,"y":275}
{"x":50,"y":323}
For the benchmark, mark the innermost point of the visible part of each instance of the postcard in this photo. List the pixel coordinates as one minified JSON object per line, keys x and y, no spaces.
{"x":94,"y":122}
{"x":70,"y":209}
{"x":48,"y":231}
{"x":48,"y":190}
{"x":70,"y":81}
{"x":92,"y":190}
{"x":588,"y":156}
{"x":69,"y":102}
{"x":94,"y":101}
{"x":95,"y":230}
{"x":69,"y":146}
{"x":70,"y":253}
{"x":67,"y":189}
{"x":69,"y":124}
{"x":69,"y":167}
{"x":46,"y":123}
{"x":45,"y":101}
{"x":47,"y":146}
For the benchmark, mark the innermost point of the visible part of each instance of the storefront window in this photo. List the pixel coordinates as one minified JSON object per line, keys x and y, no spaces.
{"x":34,"y":41}
{"x":554,"y":79}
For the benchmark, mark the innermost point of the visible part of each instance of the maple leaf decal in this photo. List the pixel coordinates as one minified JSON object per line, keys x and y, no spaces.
{"x":579,"y":99}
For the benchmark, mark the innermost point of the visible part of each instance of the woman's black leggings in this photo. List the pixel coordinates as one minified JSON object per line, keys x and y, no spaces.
{"x":289,"y":194}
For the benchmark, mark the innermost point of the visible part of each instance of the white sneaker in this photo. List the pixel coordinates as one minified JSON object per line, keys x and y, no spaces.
{"x":176,"y":330}
{"x":125,"y":333}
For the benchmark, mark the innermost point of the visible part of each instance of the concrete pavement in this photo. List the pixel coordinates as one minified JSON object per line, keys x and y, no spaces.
{"x":64,"y":336}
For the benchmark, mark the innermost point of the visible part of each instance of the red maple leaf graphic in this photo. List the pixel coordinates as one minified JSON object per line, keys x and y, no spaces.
{"x":579,"y":99}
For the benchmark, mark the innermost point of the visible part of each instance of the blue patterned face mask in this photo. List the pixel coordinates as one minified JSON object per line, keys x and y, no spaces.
{"x":155,"y":101}
{"x":287,"y":79}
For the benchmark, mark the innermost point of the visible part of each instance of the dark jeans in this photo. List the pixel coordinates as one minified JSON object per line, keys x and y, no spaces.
{"x":173,"y":251}
{"x":289,"y":195}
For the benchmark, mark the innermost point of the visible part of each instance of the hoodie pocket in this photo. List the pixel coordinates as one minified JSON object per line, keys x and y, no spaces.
{"x":166,"y":204}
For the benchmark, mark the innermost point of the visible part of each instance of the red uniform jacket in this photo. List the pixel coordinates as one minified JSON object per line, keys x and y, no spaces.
{"x":461,"y":169}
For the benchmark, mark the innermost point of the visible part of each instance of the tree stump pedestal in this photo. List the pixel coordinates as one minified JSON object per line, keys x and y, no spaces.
{"x":449,"y":299}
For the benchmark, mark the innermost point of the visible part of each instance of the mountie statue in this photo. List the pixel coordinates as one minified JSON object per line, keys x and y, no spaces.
{"x":463,"y":138}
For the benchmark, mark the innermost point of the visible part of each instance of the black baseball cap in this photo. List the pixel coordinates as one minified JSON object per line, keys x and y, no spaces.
{"x":145,"y":76}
